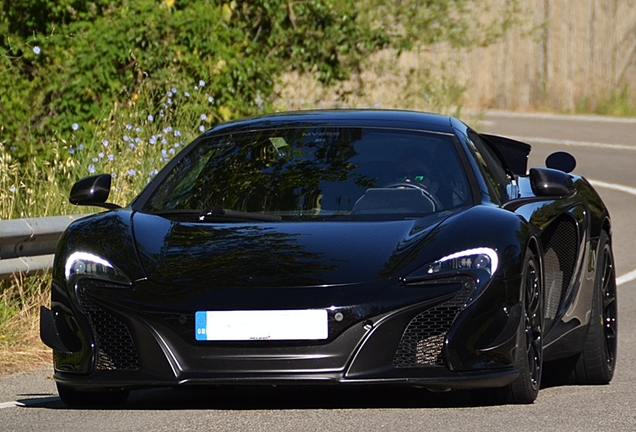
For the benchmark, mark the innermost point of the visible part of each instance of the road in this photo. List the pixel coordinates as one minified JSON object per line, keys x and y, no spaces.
{"x":606,"y":153}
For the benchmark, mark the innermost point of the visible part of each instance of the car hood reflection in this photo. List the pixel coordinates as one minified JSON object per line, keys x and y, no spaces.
{"x":275,"y":254}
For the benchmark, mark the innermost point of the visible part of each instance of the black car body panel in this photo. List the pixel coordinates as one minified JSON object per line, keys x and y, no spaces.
{"x":392,"y":315}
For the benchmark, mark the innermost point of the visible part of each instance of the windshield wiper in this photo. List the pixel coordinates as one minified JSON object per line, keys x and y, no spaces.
{"x":218,"y":212}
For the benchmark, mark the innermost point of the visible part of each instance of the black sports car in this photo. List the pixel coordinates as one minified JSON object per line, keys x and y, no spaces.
{"x":337,"y":247}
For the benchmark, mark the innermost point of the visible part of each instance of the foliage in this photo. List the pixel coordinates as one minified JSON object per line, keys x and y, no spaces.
{"x":421,"y":23}
{"x":70,"y":62}
{"x":404,"y":75}
{"x":129,"y":143}
{"x":620,"y":103}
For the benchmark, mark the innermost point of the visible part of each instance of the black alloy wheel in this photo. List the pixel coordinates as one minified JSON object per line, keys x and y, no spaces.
{"x":597,"y":361}
{"x":525,"y":388}
{"x":610,"y":307}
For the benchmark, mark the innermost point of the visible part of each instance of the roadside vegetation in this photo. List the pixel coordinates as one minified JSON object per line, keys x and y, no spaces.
{"x":120,"y":86}
{"x":618,"y":104}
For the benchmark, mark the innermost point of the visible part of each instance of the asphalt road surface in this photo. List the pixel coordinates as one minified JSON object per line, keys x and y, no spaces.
{"x":606,"y":153}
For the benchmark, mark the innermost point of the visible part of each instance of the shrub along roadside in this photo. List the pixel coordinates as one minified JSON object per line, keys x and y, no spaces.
{"x":75,"y":65}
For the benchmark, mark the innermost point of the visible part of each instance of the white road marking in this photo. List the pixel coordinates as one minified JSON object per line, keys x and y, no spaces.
{"x":576,"y":118}
{"x":11,"y":404}
{"x":627,"y":277}
{"x":630,"y":276}
{"x":539,"y":140}
{"x":617,"y":187}
{"x":29,"y":402}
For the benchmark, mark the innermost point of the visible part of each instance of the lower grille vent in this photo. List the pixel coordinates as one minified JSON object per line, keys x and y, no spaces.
{"x":423,"y":339}
{"x":115,"y":348}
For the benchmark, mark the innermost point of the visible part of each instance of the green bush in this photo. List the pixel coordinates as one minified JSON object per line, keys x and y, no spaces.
{"x":73,"y":61}
{"x":70,"y":61}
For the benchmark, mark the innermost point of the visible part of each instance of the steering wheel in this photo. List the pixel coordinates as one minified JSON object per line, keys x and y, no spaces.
{"x":432,"y":198}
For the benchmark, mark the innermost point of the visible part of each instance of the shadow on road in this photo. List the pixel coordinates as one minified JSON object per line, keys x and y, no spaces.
{"x":282,"y":398}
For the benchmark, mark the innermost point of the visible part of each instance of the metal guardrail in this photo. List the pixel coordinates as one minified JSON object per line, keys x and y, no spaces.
{"x":27,"y":246}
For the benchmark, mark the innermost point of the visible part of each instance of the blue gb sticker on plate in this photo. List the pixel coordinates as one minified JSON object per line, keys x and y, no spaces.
{"x":200,"y":319}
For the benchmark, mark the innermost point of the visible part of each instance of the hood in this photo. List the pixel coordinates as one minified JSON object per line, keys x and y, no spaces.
{"x":277,"y":254}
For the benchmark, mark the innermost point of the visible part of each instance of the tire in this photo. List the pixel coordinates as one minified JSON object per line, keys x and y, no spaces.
{"x":525,"y":388}
{"x":93,"y":398}
{"x":597,"y":361}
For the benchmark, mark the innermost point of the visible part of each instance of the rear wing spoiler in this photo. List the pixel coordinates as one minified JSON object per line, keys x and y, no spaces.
{"x":514,"y":153}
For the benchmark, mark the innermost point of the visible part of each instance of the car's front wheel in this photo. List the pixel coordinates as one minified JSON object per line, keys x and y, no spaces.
{"x":92,"y":398}
{"x":595,"y":364}
{"x":525,"y":388}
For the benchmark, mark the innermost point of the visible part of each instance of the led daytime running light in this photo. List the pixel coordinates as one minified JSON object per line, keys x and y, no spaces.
{"x":490,"y":253}
{"x":83,"y":256}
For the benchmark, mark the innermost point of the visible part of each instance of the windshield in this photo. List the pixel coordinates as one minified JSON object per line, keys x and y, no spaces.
{"x":308,"y":173}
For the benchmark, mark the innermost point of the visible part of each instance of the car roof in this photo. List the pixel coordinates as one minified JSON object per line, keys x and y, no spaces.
{"x":342,"y":117}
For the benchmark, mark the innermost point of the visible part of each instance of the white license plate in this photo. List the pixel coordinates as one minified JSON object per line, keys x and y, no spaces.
{"x":261,"y":325}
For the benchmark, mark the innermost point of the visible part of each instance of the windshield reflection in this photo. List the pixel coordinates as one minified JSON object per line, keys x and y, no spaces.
{"x":309,"y":173}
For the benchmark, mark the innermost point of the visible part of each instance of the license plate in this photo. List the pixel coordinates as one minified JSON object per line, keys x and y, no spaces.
{"x":261,"y":325}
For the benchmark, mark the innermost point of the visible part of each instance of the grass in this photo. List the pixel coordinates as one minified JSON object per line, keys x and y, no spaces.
{"x":20,"y":345}
{"x":618,"y":104}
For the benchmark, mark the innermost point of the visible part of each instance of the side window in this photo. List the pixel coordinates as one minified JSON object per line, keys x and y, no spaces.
{"x":496,"y":178}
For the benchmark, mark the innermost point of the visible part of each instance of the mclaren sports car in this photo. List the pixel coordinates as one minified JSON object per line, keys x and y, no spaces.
{"x":338,"y":247}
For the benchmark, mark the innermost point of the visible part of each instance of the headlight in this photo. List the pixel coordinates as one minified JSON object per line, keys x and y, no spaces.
{"x":89,"y":265}
{"x":473,"y":268}
{"x":471,"y":259}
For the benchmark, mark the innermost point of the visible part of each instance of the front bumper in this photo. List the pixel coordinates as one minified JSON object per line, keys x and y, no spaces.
{"x":423,"y":336}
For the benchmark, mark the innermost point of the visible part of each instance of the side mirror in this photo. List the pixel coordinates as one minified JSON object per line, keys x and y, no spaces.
{"x":547,"y":182}
{"x":92,"y":191}
{"x":561,"y":161}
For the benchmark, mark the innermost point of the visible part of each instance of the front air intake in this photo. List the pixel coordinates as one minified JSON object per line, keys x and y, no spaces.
{"x":422,"y":341}
{"x":115,"y":348}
